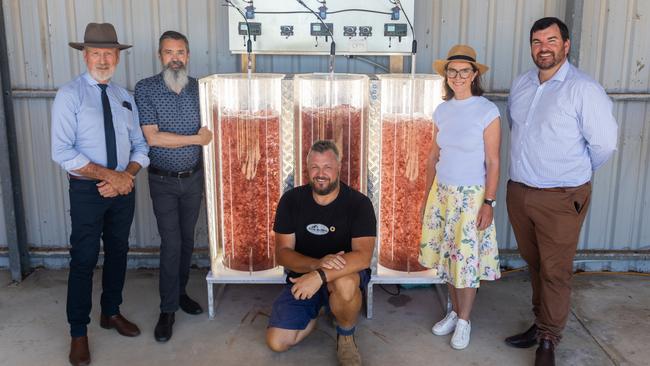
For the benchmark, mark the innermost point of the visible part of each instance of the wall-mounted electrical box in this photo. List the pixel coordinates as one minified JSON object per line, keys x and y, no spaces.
{"x":289,"y":28}
{"x":395,"y":30}
{"x":318,"y":30}
{"x":254,"y":28}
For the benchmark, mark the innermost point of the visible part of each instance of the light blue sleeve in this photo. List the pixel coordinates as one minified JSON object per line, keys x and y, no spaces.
{"x":492,"y":114}
{"x":597,"y":123}
{"x":63,"y":131}
{"x":139,"y":147}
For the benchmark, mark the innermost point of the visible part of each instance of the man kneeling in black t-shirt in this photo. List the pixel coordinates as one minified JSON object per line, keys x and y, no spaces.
{"x":324,"y":236}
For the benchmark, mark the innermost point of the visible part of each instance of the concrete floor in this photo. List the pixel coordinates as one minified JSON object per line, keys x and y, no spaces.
{"x":609,"y":325}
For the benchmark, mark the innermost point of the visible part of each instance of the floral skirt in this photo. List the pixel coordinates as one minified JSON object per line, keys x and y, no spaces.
{"x":451,"y":244}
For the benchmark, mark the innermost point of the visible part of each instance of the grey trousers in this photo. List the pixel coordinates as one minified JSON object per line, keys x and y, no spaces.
{"x":176,"y":204}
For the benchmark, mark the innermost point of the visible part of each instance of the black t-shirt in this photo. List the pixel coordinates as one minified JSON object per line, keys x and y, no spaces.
{"x":322,"y":230}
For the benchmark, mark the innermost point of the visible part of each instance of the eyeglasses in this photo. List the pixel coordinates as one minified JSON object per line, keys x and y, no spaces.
{"x":464,"y":73}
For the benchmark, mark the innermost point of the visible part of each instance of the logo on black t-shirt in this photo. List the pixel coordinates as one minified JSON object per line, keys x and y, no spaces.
{"x":318,"y":229}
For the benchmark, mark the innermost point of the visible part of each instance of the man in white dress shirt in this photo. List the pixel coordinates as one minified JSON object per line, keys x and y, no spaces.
{"x":562,"y":130}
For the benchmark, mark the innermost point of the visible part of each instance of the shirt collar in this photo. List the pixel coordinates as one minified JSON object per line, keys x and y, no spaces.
{"x":165,"y":88}
{"x":559,"y":75}
{"x":91,"y":81}
{"x":161,"y":80}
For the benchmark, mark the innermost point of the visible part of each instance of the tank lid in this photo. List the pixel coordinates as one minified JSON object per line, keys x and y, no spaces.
{"x":328,"y":76}
{"x":240,"y":76}
{"x":409,"y":76}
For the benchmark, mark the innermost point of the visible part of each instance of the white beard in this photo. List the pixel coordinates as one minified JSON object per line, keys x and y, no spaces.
{"x":175,"y":80}
{"x":101,"y":75}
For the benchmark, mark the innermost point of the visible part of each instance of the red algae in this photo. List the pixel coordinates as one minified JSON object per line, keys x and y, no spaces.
{"x":250,"y":188}
{"x":406,"y":143}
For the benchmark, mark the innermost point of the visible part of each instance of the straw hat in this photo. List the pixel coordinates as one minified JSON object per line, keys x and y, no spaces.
{"x":459,"y":52}
{"x":99,"y":35}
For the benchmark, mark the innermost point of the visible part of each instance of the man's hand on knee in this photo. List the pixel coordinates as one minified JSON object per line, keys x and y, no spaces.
{"x":333,"y":261}
{"x":305,"y":286}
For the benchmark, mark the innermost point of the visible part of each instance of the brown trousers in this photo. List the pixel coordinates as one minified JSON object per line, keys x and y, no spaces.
{"x":547,"y":223}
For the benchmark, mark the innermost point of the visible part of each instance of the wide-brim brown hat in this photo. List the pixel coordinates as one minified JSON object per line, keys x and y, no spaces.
{"x":459,"y":52}
{"x":99,"y":35}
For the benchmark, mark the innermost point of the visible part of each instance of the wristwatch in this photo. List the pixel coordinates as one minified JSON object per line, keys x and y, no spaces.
{"x":489,"y":202}
{"x":322,"y":275}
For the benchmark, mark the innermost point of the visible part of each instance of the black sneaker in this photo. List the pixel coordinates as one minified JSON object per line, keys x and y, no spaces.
{"x":189,"y":306}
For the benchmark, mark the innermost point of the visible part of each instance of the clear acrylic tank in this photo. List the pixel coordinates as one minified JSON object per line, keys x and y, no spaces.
{"x":332,"y":107}
{"x":407,"y":105}
{"x":243,"y":167}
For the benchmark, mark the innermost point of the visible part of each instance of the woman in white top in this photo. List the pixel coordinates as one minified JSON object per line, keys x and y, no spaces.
{"x":458,"y":233}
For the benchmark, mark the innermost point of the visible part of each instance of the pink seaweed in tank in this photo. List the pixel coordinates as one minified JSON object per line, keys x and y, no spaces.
{"x":341,"y":124}
{"x":250,"y":186}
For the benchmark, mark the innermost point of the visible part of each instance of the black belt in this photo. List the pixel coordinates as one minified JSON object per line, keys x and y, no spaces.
{"x":82,"y":178}
{"x":167,"y":173}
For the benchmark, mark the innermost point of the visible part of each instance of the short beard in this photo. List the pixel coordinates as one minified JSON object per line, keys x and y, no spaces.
{"x":325,"y":191}
{"x":177,"y":79}
{"x":556,"y":61}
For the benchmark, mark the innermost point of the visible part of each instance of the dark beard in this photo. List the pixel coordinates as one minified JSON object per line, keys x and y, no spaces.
{"x":175,"y":79}
{"x":325,"y":191}
{"x":556,"y":61}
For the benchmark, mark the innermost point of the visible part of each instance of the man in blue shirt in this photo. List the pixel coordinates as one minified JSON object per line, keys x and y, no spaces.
{"x":96,"y":138}
{"x":562,"y":130}
{"x":171,"y":121}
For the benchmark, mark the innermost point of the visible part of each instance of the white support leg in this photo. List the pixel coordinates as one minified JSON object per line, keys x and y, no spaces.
{"x":445,"y":299}
{"x":210,"y":300}
{"x":369,"y":300}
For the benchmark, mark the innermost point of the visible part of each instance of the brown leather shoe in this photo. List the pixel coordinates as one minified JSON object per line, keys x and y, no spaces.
{"x":526,"y":339}
{"x":79,"y":353}
{"x":545,"y":355}
{"x":123,"y":326}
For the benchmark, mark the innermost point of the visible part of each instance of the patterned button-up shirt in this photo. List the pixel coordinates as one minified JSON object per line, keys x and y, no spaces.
{"x":175,"y":113}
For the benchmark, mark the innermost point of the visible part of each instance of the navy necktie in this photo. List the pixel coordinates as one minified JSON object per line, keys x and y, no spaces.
{"x":109,"y":131}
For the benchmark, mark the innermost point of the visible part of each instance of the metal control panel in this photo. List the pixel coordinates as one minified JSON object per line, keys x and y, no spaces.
{"x":318,"y":30}
{"x":395,"y":30}
{"x":254,"y":28}
{"x":285,"y":27}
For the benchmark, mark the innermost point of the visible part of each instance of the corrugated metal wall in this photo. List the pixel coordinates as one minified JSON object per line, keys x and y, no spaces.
{"x":497,"y":29}
{"x":614,"y":49}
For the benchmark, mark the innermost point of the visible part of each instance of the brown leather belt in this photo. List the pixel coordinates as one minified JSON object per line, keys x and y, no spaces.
{"x":552,"y":189}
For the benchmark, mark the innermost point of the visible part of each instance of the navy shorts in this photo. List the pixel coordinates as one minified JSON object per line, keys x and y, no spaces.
{"x":289,"y":313}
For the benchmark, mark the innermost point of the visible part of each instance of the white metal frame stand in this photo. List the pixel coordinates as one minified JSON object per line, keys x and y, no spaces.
{"x":385,"y":276}
{"x":224,"y":276}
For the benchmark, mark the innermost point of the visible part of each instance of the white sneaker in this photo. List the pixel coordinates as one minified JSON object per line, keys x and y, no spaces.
{"x":460,"y":339}
{"x":446,"y":325}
